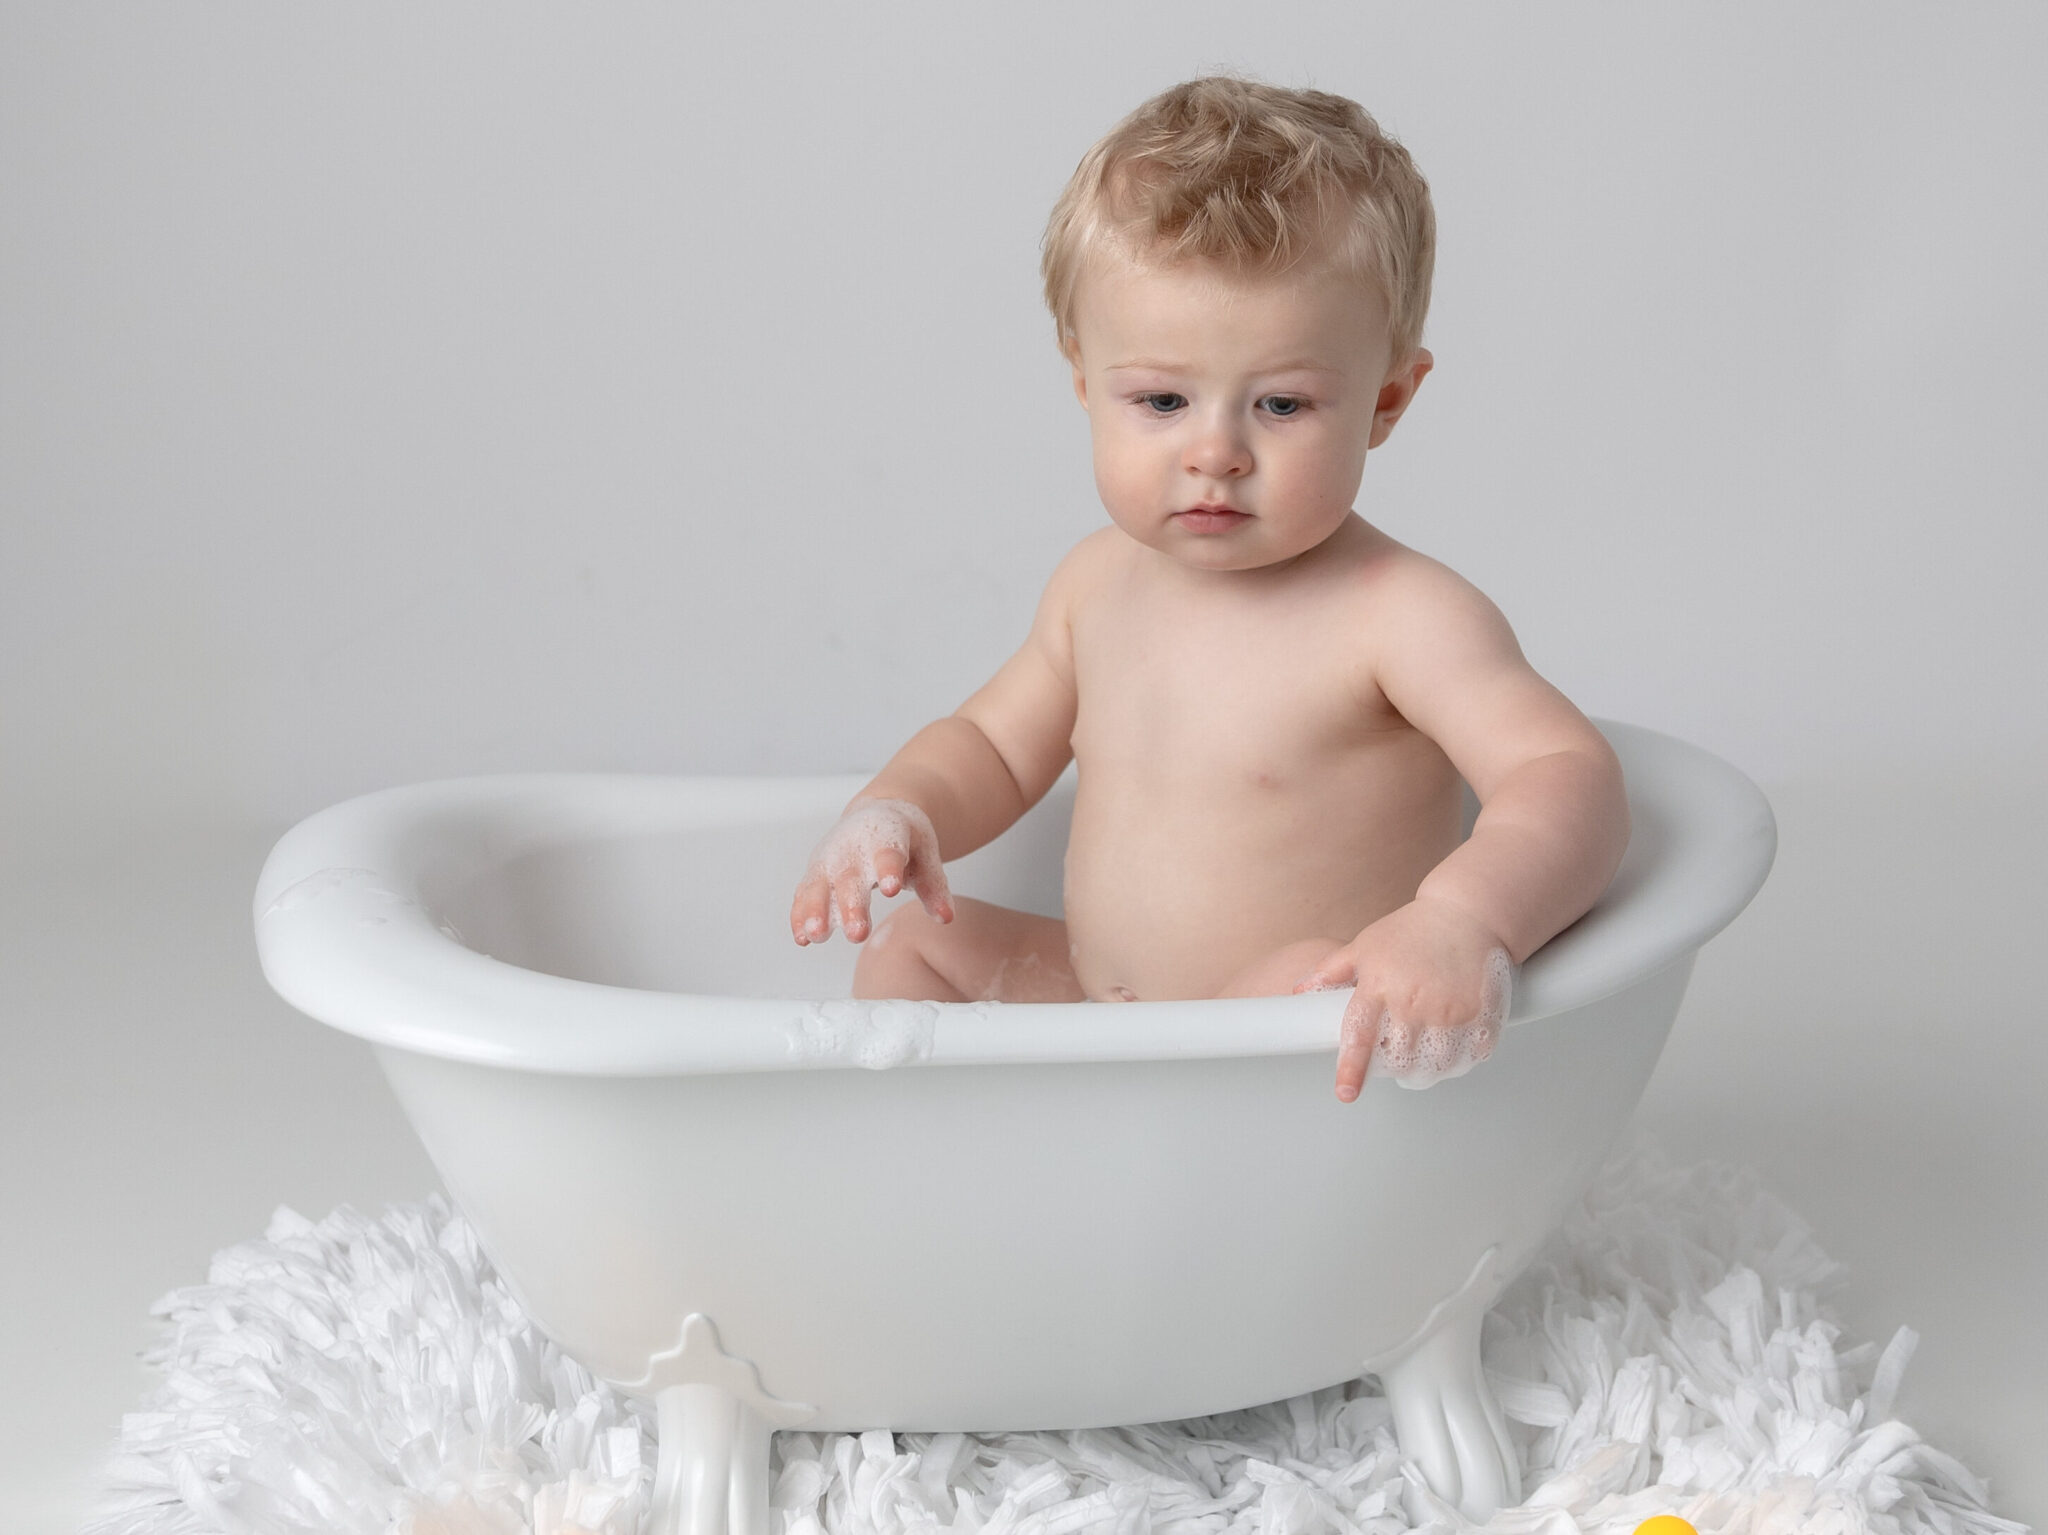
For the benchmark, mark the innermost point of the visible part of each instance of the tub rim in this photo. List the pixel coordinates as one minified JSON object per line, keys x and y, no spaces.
{"x":344,"y":935}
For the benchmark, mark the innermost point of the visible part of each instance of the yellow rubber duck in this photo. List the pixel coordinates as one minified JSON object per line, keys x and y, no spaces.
{"x":1665,"y":1524}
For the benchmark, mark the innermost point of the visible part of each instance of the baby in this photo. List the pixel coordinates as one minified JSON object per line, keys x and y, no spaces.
{"x":1270,"y":703}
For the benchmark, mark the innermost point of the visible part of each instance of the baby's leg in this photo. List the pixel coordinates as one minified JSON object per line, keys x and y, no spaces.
{"x":987,"y":953}
{"x":1274,"y":975}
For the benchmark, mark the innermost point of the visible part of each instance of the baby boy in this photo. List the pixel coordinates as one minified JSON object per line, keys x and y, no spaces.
{"x":1270,"y":703}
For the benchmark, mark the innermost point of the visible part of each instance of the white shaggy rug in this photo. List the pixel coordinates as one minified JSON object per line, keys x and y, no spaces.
{"x":1670,"y":1352}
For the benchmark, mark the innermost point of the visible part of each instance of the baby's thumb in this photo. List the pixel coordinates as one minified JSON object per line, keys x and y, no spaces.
{"x":928,"y":880}
{"x":1332,"y":974}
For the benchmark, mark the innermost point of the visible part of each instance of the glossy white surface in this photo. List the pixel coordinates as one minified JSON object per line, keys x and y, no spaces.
{"x":1052,"y":1244}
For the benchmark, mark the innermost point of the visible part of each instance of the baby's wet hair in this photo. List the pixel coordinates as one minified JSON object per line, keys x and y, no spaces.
{"x":1258,"y":178}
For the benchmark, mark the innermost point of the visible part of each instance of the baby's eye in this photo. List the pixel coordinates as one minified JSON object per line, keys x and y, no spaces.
{"x":1162,"y":402}
{"x":1284,"y":404}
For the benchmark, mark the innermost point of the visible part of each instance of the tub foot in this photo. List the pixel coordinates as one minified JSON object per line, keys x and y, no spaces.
{"x":711,"y":1466}
{"x":1445,"y":1415}
{"x":713,"y":1420}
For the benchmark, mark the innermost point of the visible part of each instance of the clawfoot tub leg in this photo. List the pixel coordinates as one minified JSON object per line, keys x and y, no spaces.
{"x":711,"y":1465}
{"x":1444,"y":1413}
{"x":713,"y":1419}
{"x":1447,"y":1419}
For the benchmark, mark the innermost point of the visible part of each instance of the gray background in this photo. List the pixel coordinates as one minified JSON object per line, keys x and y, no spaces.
{"x":395,"y":392}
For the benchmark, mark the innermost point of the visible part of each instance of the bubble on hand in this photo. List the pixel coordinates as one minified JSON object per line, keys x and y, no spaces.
{"x":866,"y":830}
{"x":1422,"y":1058}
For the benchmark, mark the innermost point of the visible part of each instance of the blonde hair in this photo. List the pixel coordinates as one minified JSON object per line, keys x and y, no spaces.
{"x":1257,"y":177}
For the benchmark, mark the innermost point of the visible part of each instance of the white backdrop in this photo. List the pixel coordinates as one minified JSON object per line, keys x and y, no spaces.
{"x":393,"y":392}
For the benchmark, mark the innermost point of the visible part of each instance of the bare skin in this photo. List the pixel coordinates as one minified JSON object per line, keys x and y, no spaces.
{"x":1270,"y":708}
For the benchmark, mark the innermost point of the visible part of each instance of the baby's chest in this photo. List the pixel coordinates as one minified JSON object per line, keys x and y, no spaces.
{"x":1257,"y":703}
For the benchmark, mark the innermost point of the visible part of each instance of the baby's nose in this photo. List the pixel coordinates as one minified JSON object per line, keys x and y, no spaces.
{"x":1219,"y":449}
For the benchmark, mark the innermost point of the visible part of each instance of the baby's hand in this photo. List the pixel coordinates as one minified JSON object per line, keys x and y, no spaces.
{"x":1433,"y":991}
{"x":879,"y":844}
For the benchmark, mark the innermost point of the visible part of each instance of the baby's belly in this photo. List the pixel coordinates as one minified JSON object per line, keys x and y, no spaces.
{"x":1169,"y":899}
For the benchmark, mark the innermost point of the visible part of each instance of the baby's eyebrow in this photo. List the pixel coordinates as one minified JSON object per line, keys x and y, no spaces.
{"x":1299,"y":365}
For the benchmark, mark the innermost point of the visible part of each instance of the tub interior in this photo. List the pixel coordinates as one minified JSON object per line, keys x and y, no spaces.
{"x":704,"y":909}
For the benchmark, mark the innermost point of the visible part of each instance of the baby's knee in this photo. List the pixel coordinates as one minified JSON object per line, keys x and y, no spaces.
{"x":894,"y":952}
{"x":908,"y":926}
{"x":1275,"y":974}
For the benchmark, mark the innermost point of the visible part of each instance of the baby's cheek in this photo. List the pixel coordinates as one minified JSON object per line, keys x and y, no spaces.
{"x":1124,"y":493}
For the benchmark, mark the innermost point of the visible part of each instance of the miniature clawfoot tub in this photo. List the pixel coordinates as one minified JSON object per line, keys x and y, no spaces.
{"x":724,"y":1190}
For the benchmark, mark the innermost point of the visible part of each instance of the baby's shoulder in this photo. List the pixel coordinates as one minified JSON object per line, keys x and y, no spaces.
{"x":1395,"y":574}
{"x":1079,"y":575}
{"x":1402,"y":592}
{"x":1084,"y":568}
{"x":1100,"y":550}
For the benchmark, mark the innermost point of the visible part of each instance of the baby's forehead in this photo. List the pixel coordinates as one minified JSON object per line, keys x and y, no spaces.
{"x":1123,"y":291}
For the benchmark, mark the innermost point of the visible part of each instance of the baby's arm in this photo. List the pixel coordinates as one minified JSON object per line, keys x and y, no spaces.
{"x":955,"y":785}
{"x":1432,"y":976}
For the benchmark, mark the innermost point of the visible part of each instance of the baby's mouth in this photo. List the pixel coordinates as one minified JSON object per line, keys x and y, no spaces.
{"x":1211,"y":519}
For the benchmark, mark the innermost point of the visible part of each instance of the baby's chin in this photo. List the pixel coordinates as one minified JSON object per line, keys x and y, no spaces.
{"x":1255,"y":544}
{"x":1229,"y":552}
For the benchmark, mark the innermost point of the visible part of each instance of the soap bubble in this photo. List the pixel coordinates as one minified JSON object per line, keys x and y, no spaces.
{"x":1422,"y":1057}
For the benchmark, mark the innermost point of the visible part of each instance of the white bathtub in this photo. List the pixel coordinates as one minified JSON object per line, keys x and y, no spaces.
{"x":761,"y":1208}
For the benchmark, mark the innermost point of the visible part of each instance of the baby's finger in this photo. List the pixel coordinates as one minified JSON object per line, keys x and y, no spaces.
{"x":810,"y":918}
{"x":1339,"y":969}
{"x":1444,"y":1053}
{"x":1362,"y":1021}
{"x":928,"y":879}
{"x":890,"y":862}
{"x":1482,"y":1039}
{"x":1400,"y":1046}
{"x":928,"y":869}
{"x":850,"y":892}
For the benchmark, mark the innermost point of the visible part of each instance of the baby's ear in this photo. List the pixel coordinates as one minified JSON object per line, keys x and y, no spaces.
{"x":1070,"y":349}
{"x":1396,"y":393}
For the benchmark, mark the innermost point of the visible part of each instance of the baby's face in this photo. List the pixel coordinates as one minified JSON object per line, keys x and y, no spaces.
{"x":1231,"y":418}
